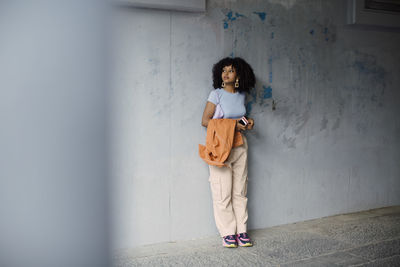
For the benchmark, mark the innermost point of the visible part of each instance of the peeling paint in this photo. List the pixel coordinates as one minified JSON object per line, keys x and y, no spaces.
{"x":250,"y":103}
{"x":270,"y":69}
{"x":326,"y":33}
{"x":264,"y":94}
{"x":239,"y":15}
{"x":230,"y":17}
{"x":261,"y":15}
{"x":267,"y":92}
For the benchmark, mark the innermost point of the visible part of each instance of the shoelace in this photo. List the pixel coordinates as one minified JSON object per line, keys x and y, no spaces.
{"x":244,"y":237}
{"x":230,"y":237}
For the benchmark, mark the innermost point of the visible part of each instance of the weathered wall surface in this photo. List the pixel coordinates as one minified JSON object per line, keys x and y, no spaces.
{"x":331,"y":146}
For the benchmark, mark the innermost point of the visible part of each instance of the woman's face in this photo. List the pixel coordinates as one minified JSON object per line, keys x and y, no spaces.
{"x":228,"y":74}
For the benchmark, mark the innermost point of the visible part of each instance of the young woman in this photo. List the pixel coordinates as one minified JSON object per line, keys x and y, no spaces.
{"x":232,"y":79}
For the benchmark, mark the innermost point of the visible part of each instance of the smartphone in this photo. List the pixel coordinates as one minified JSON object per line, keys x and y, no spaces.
{"x":244,"y":121}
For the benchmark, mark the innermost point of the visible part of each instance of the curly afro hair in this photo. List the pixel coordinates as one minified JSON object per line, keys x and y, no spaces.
{"x":247,"y":80}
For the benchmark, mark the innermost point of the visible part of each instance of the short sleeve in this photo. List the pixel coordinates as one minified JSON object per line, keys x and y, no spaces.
{"x":213,"y":97}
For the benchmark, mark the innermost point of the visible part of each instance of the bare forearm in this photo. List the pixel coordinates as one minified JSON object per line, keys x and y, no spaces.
{"x":208,"y":113}
{"x":204,"y":122}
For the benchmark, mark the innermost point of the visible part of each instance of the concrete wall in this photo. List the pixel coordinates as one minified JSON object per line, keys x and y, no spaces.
{"x":331,"y":146}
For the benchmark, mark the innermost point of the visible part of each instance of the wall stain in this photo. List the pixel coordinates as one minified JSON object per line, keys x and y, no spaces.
{"x":270,"y":69}
{"x":326,"y":33}
{"x":324,"y":123}
{"x":264,"y":94}
{"x":301,"y":121}
{"x":290,"y":142}
{"x":341,"y":108}
{"x":337,"y":124}
{"x":267,"y":92}
{"x":238,"y":15}
{"x":155,"y":65}
{"x":371,"y":82}
{"x":230,"y":17}
{"x":261,"y":15}
{"x":251,"y":100}
{"x":369,"y":67}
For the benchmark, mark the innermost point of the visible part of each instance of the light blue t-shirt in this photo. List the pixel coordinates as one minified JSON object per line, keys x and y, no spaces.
{"x":232,"y":104}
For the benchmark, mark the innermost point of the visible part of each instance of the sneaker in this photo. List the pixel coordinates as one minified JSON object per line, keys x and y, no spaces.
{"x":229,"y":241}
{"x":244,"y":240}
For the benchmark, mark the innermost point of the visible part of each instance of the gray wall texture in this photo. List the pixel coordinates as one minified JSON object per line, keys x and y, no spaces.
{"x":331,"y":146}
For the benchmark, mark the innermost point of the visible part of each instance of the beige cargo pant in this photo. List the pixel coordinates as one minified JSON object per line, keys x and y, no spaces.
{"x":229,"y":189}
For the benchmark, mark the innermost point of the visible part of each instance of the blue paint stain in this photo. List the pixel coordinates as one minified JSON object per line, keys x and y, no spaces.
{"x":272,"y":35}
{"x":360,"y":66}
{"x":231,"y":17}
{"x":312,"y":32}
{"x":370,"y":69}
{"x":232,"y":55}
{"x":270,"y":69}
{"x":327,"y":39}
{"x":253,"y":93}
{"x":249,"y":105}
{"x":267,"y":93}
{"x":326,"y":30}
{"x":262,"y":15}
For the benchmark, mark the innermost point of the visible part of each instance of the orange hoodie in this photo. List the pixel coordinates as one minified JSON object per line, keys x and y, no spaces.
{"x":221,"y":138}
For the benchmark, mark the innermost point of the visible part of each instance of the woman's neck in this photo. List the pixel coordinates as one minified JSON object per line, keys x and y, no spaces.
{"x":229,"y":88}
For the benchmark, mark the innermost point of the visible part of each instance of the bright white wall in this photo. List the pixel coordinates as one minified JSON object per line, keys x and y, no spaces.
{"x":331,"y":146}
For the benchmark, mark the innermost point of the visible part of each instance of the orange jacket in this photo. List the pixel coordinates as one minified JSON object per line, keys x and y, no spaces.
{"x":221,"y":138}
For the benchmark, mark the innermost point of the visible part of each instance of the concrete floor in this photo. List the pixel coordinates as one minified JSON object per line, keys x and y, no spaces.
{"x":368,"y":238}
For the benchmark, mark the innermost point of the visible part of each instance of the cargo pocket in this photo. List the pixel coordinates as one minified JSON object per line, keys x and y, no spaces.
{"x":245,"y":187}
{"x":215,"y":184}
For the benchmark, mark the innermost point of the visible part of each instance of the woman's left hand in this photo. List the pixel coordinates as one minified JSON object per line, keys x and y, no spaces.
{"x":250,"y":125}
